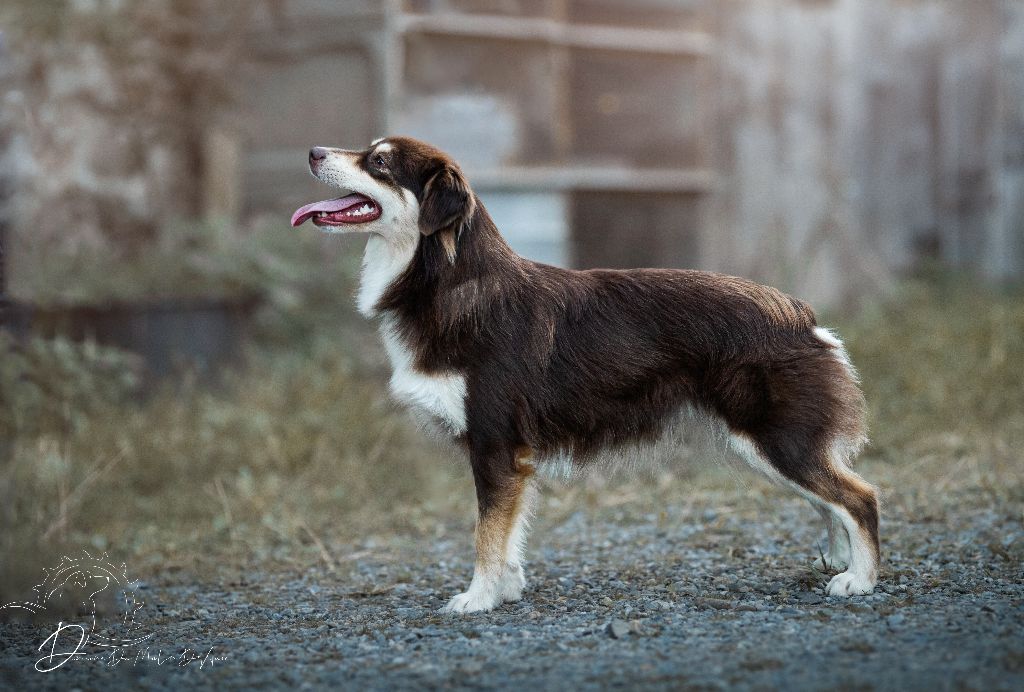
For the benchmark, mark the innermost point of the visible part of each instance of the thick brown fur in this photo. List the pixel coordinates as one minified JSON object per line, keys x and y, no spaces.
{"x":564,"y":362}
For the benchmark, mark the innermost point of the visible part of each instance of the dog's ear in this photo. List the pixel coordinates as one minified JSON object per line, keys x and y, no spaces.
{"x":447,"y":201}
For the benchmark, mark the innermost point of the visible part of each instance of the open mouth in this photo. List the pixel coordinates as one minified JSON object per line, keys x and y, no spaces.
{"x":350,"y":209}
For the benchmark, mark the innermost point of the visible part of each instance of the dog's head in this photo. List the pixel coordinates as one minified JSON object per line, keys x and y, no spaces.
{"x":398,"y":188}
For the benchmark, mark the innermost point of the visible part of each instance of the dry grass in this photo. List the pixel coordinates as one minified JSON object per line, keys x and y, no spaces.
{"x":942,"y":370}
{"x":292,"y":451}
{"x":301,"y":455}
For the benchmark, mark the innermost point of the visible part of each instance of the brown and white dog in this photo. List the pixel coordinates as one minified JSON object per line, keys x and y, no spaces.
{"x":532,"y":368}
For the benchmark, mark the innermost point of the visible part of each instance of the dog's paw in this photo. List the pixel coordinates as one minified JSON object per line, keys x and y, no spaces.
{"x":471,"y":602}
{"x":830,"y":563}
{"x":512,"y":583}
{"x":850,"y":584}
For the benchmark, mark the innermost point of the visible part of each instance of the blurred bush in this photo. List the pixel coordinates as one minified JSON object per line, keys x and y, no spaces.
{"x":187,"y":260}
{"x":198,"y":293}
{"x":56,"y":387}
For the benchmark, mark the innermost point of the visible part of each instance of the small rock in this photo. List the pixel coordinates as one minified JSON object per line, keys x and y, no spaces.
{"x":617,"y":629}
{"x":686,"y":589}
{"x":716,"y":603}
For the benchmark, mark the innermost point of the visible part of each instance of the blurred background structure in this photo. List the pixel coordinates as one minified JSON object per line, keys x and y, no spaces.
{"x":824,"y":146}
{"x":818,"y":145}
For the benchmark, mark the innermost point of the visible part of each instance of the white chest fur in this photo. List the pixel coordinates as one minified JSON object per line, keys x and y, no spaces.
{"x":442,"y":397}
{"x":383,"y":262}
{"x":439,"y":398}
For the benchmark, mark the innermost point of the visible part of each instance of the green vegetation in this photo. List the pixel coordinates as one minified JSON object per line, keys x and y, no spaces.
{"x":299,"y":453}
{"x":186,"y":260}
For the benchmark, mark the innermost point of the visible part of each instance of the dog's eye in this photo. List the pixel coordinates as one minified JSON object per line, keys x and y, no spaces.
{"x":379,"y":160}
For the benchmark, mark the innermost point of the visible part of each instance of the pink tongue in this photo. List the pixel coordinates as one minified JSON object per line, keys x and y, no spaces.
{"x":328,"y":206}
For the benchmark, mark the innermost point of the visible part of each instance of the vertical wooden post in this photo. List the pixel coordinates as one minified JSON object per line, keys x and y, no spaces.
{"x":4,"y":194}
{"x":391,"y":59}
{"x":561,"y":85}
{"x":222,"y":176}
{"x":3,"y":277}
{"x":1005,"y":252}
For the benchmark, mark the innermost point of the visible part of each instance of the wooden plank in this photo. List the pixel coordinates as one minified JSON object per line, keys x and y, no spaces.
{"x":1005,"y":253}
{"x":554,"y":178}
{"x":969,"y":88}
{"x":272,"y":43}
{"x":636,"y":230}
{"x":621,"y":178}
{"x":560,"y":88}
{"x":391,"y":63}
{"x":222,"y":175}
{"x":655,"y":41}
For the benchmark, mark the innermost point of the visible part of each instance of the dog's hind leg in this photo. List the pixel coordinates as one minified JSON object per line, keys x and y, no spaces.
{"x":851,"y":503}
{"x":837,"y":554}
{"x":854,"y":503}
{"x":506,"y":495}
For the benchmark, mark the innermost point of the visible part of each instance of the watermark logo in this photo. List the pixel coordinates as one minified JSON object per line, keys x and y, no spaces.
{"x":99,"y":610}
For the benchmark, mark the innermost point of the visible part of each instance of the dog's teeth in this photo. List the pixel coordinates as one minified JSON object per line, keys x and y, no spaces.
{"x":361,"y":211}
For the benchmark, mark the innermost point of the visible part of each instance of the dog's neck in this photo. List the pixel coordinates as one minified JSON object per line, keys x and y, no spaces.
{"x":383,"y":262}
{"x":411,"y":270}
{"x":435,"y":306}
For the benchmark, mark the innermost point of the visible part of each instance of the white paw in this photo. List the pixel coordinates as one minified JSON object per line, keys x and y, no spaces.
{"x":471,"y":602}
{"x":850,"y":584}
{"x":830,"y":563}
{"x":487,"y":591}
{"x":512,"y":584}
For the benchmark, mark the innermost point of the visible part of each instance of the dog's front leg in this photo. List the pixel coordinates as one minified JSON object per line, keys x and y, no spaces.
{"x":506,"y":493}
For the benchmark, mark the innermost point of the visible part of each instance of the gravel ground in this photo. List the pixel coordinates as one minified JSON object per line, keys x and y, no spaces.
{"x":711,"y":595}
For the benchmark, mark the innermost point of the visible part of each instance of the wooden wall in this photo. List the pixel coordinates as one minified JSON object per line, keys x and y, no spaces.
{"x":856,"y":139}
{"x":849,"y":141}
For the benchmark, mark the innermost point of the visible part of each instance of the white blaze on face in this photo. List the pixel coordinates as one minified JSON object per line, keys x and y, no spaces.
{"x":390,"y":215}
{"x":399,"y":210}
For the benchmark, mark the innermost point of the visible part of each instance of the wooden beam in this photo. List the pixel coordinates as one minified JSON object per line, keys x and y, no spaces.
{"x":542,"y":30}
{"x":392,"y":66}
{"x":611,"y":178}
{"x":555,"y":178}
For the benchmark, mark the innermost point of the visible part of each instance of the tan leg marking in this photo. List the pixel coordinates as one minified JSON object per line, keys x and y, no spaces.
{"x":500,"y":537}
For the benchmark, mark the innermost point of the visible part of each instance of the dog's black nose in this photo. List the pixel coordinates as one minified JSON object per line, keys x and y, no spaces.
{"x":317,"y":154}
